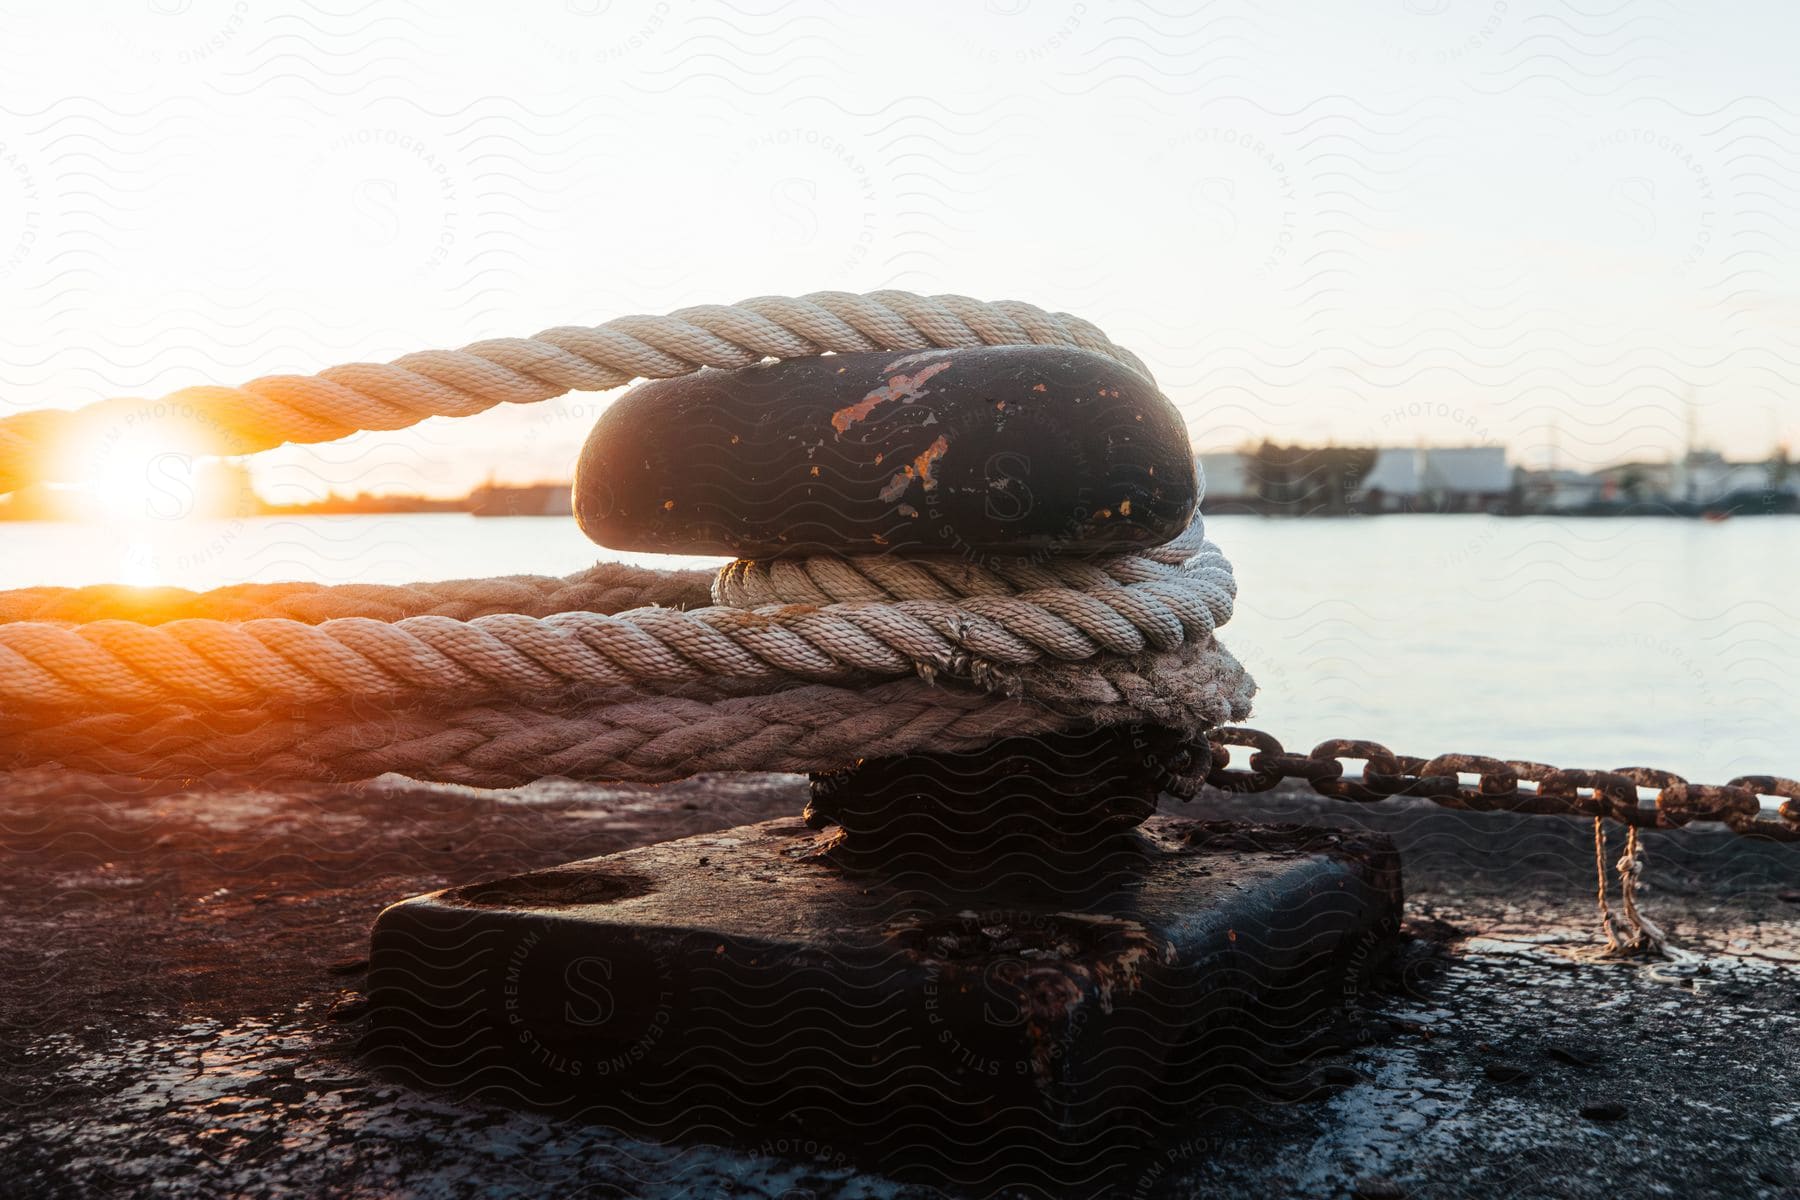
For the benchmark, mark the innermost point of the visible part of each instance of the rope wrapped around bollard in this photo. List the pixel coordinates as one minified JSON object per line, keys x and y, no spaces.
{"x":953,"y":533}
{"x":798,"y":663}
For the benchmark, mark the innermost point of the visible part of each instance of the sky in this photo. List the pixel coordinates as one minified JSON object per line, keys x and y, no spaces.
{"x":1568,"y":229}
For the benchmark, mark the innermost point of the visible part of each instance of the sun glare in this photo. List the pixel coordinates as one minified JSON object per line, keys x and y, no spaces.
{"x":142,"y":482}
{"x":151,"y":501}
{"x":138,"y":565}
{"x":136,"y":479}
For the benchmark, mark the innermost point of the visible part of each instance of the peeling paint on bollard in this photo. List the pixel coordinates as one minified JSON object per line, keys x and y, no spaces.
{"x":989,"y":450}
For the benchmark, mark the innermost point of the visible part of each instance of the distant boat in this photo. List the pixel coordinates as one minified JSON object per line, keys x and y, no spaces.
{"x":532,"y":500}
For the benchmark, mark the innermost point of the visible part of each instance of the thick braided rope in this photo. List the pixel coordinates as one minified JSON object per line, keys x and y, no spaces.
{"x":276,"y":409}
{"x":605,"y":587}
{"x":981,"y":637}
{"x":628,"y":734}
{"x":1189,"y":561}
{"x":602,"y":675}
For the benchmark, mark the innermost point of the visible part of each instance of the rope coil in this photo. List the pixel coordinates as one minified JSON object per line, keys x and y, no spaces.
{"x":619,"y":672}
{"x":988,"y":635}
{"x":607,"y":587}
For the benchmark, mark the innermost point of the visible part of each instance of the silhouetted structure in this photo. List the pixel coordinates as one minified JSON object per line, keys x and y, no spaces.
{"x":1351,"y":480}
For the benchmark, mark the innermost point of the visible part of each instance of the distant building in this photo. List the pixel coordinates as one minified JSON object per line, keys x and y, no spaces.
{"x":1304,"y":481}
{"x":1638,"y":482}
{"x":1437,"y":479}
{"x":1561,"y":490}
{"x":1308,"y":480}
{"x":1226,"y":477}
{"x":1466,"y":471}
{"x":1701,"y":477}
{"x":1353,"y":480}
{"x":1704,"y":476}
{"x":1395,"y":476}
{"x":532,"y":500}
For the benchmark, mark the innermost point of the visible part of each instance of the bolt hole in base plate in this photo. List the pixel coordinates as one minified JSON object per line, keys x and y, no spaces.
{"x":745,"y":985}
{"x":556,"y":888}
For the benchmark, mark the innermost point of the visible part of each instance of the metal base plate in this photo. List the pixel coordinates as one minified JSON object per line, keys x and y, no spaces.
{"x":748,"y":985}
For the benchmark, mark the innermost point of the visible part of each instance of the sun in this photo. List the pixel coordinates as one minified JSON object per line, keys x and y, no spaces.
{"x":139,"y":481}
{"x":145,"y":483}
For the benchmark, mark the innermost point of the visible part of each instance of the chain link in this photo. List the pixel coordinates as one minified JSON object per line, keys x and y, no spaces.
{"x":1530,"y":787}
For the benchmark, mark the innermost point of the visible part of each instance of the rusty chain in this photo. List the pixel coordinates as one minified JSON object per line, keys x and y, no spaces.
{"x":1511,"y":786}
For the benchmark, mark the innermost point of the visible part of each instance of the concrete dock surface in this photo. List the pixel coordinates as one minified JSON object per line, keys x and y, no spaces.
{"x":183,"y":1002}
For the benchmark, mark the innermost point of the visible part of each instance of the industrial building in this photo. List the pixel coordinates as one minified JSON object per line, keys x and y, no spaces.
{"x":1368,"y":480}
{"x":1346,"y":480}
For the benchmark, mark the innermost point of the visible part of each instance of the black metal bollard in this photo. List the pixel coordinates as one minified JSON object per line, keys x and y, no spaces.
{"x":994,"y":969}
{"x":1046,"y":813}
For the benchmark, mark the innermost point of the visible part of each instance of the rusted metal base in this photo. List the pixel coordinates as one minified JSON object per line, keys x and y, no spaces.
{"x":753,"y":984}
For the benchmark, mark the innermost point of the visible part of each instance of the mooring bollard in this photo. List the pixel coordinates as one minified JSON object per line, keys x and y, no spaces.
{"x":960,"y":967}
{"x":995,"y":450}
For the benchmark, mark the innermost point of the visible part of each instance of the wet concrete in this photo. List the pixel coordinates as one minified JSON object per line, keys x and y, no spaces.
{"x":185,"y":973}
